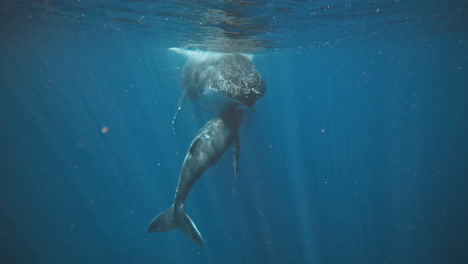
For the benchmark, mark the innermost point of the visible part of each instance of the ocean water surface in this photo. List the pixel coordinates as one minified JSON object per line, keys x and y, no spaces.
{"x":357,"y":153}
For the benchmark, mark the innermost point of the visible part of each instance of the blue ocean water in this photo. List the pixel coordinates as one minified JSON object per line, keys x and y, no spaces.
{"x":357,"y":153}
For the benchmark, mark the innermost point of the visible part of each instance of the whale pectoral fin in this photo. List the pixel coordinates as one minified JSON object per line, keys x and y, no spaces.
{"x":179,"y":107}
{"x":236,"y":154}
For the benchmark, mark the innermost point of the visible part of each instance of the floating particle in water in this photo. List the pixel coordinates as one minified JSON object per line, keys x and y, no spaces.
{"x":104,"y":130}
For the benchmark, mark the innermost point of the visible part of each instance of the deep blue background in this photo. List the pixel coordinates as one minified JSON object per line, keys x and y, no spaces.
{"x":356,"y":154}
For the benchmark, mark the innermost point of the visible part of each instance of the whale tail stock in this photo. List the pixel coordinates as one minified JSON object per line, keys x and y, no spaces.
{"x":176,"y":217}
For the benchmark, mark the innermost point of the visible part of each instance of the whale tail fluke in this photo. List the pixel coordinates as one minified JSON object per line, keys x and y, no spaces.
{"x":176,"y":217}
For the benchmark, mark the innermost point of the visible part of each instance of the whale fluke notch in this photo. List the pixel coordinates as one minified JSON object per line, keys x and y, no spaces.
{"x":236,"y":154}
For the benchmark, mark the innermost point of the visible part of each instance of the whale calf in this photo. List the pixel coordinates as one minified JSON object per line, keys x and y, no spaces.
{"x":210,"y":143}
{"x":217,"y":81}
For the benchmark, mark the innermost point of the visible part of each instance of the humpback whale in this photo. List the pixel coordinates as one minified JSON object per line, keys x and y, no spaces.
{"x":217,"y":81}
{"x":210,"y":143}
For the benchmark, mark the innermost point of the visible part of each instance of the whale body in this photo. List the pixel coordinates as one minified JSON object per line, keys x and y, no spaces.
{"x":210,"y":143}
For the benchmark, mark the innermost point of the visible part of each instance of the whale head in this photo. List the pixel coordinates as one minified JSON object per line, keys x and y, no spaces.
{"x":216,"y":81}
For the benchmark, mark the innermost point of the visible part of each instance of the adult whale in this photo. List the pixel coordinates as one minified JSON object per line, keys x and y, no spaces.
{"x":210,"y":143}
{"x":217,"y":81}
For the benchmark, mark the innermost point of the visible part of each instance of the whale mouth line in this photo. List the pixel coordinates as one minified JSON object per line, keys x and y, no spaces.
{"x":214,"y":101}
